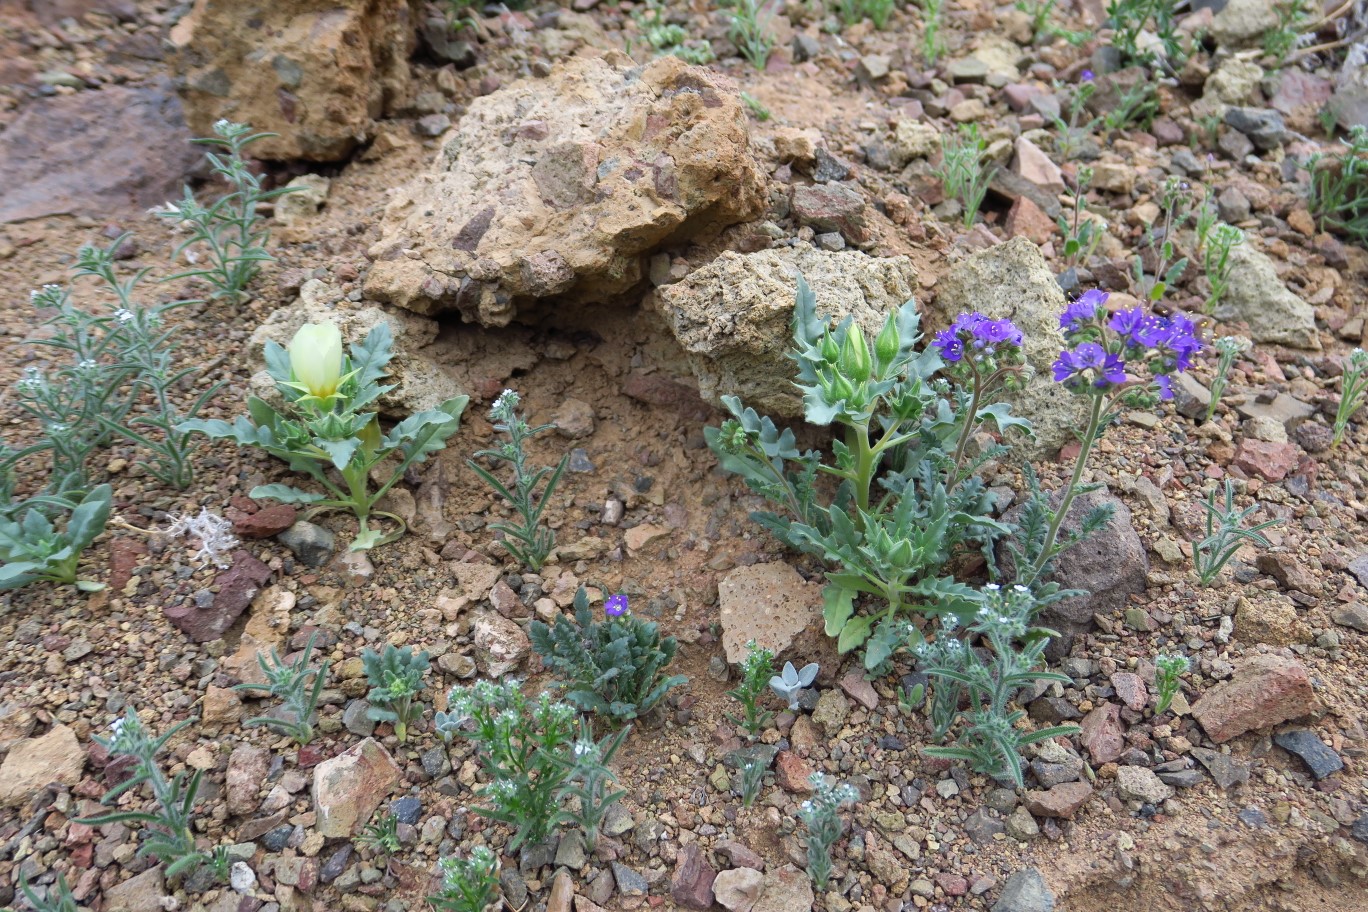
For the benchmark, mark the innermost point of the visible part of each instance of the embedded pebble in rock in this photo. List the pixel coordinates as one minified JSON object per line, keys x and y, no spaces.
{"x":1265,"y":690}
{"x":770,"y":604}
{"x":1062,"y":800}
{"x":34,"y":762}
{"x":1141,"y":784}
{"x":1319,"y":758}
{"x":348,"y":788}
{"x":574,"y":419}
{"x":500,"y":644}
{"x":738,"y":888}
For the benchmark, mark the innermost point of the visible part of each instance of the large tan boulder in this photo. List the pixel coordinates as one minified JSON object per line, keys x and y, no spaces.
{"x":317,"y":72}
{"x":733,"y":317}
{"x":558,"y":188}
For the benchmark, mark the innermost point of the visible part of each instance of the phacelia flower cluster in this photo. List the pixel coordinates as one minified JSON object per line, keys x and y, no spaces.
{"x":982,"y":341}
{"x":1107,"y":352}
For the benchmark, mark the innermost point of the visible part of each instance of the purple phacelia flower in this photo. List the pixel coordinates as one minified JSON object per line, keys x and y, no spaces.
{"x":615,"y":605}
{"x":977,"y":331}
{"x":1086,"y":76}
{"x":1090,"y":306}
{"x":1107,"y":367}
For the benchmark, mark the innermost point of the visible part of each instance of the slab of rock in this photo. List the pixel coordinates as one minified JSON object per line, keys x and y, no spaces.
{"x":785,"y":890}
{"x":1061,"y":801}
{"x":1318,"y":757}
{"x":738,"y":888}
{"x":692,"y":883}
{"x":1261,"y":300}
{"x":995,"y":282}
{"x":348,"y":788}
{"x":317,"y":72}
{"x":419,"y":380}
{"x":95,"y":153}
{"x":1025,"y":891}
{"x":1350,"y":99}
{"x":1102,"y":735}
{"x":1139,"y":783}
{"x":560,"y":187}
{"x":500,"y":644}
{"x":247,"y":768}
{"x":1265,"y":690}
{"x":144,"y":893}
{"x":32,"y":763}
{"x":1269,"y":461}
{"x":1353,"y":615}
{"x":237,"y":586}
{"x":768,"y":603}
{"x":1225,"y":770}
{"x":733,"y":317}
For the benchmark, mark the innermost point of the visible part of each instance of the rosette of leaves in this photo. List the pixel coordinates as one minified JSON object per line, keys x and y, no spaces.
{"x":34,"y":549}
{"x":396,"y":677}
{"x":904,"y":504}
{"x":328,"y":424}
{"x":614,"y":667}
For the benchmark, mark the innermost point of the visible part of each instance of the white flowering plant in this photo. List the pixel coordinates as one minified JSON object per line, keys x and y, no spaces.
{"x":990,"y":740}
{"x":821,"y":814}
{"x":328,"y":422}
{"x":589,"y":781}
{"x":467,"y":884}
{"x":526,"y":749}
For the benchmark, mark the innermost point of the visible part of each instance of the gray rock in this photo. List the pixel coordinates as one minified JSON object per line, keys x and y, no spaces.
{"x":433,"y":125}
{"x":408,"y":809}
{"x":982,"y":826}
{"x":356,"y":720}
{"x":312,"y":544}
{"x":1320,"y":759}
{"x":1225,"y":770}
{"x":1242,"y":23}
{"x":732,"y":316}
{"x":1025,"y":891}
{"x":570,"y":851}
{"x":501,"y":645}
{"x":1353,"y":615}
{"x":1350,"y":99}
{"x":1139,"y":783}
{"x":336,"y":864}
{"x":1358,"y":568}
{"x":1257,"y":297}
{"x":1263,"y":126}
{"x":143,"y":893}
{"x":629,"y":882}
{"x":513,"y":886}
{"x":995,"y":282}
{"x":1360,"y":828}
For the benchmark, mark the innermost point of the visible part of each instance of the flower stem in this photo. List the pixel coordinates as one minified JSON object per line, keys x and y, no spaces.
{"x":1089,"y":438}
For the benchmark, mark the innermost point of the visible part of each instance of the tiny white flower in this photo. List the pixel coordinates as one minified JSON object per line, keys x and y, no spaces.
{"x":123,"y":315}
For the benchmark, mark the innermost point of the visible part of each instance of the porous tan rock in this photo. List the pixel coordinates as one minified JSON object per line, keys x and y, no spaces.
{"x":768,"y":603}
{"x":733,"y":316}
{"x":1013,"y":281}
{"x":316,"y":72}
{"x":560,"y":187}
{"x":34,"y":762}
{"x":1257,"y":297}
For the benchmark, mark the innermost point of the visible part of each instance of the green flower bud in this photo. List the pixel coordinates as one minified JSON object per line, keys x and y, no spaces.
{"x":855,"y":362}
{"x":887,"y":344}
{"x":830,"y":351}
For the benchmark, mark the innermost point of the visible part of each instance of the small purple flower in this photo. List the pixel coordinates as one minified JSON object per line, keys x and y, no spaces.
{"x":951,"y":348}
{"x":615,"y":605}
{"x":1127,"y":323}
{"x":995,"y":332}
{"x":984,"y":334}
{"x":1086,"y":76}
{"x":1090,"y":306}
{"x":1107,"y":367}
{"x":1165,"y":386}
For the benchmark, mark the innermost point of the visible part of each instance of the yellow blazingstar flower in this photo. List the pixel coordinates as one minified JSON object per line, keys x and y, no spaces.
{"x":316,"y":358}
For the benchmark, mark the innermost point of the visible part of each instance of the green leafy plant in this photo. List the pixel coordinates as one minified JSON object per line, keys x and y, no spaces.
{"x":1137,"y":105}
{"x":382,"y":836}
{"x":1223,"y":239}
{"x":587,"y":783}
{"x":1353,"y":391}
{"x":1228,"y":348}
{"x":750,"y":28}
{"x":792,"y":681}
{"x":756,"y":669}
{"x":230,"y":233}
{"x":1043,"y":27}
{"x":468,"y":884}
{"x":613,"y":667}
{"x":906,"y":498}
{"x":1167,"y":269}
{"x":821,"y":814}
{"x":527,"y":540}
{"x":1293,"y":18}
{"x":933,"y":45}
{"x":965,"y":170}
{"x":852,"y":12}
{"x":1069,"y":135}
{"x":1168,"y":676}
{"x":1132,"y":18}
{"x":1225,"y":534}
{"x":755,"y":107}
{"x":297,"y":686}
{"x":167,"y":834}
{"x":667,"y":37}
{"x":32,"y":549}
{"x":751,"y":777}
{"x":990,"y":740}
{"x":396,"y":678}
{"x":1205,"y":218}
{"x":57,"y":898}
{"x":524,"y":750}
{"x":1081,"y":235}
{"x":326,"y":423}
{"x":1338,"y":188}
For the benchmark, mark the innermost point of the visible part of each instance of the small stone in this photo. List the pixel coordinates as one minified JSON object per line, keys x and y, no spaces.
{"x":738,"y":888}
{"x":1269,"y":461}
{"x":860,"y":690}
{"x":1353,"y":615}
{"x":1131,"y":689}
{"x":832,"y":711}
{"x":1264,"y":691}
{"x":1102,"y":735}
{"x":785,"y":890}
{"x":1139,"y":783}
{"x":1021,"y":826}
{"x":1225,"y":770}
{"x":629,"y":882}
{"x":791,"y":772}
{"x":33,"y":763}
{"x":1320,"y":759}
{"x":562,"y":892}
{"x":348,"y":788}
{"x":1062,"y":801}
{"x":574,"y":419}
{"x":692,"y":882}
{"x":1025,"y":891}
{"x":500,"y":644}
{"x":266,"y":522}
{"x":433,"y":125}
{"x":312,"y":544}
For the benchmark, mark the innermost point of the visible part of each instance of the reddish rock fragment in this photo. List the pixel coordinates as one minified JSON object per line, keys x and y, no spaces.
{"x":264,"y":523}
{"x":1264,"y":691}
{"x":1269,"y":461}
{"x":237,"y":586}
{"x":792,"y":772}
{"x":1062,"y":801}
{"x":692,"y":883}
{"x":1102,"y":735}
